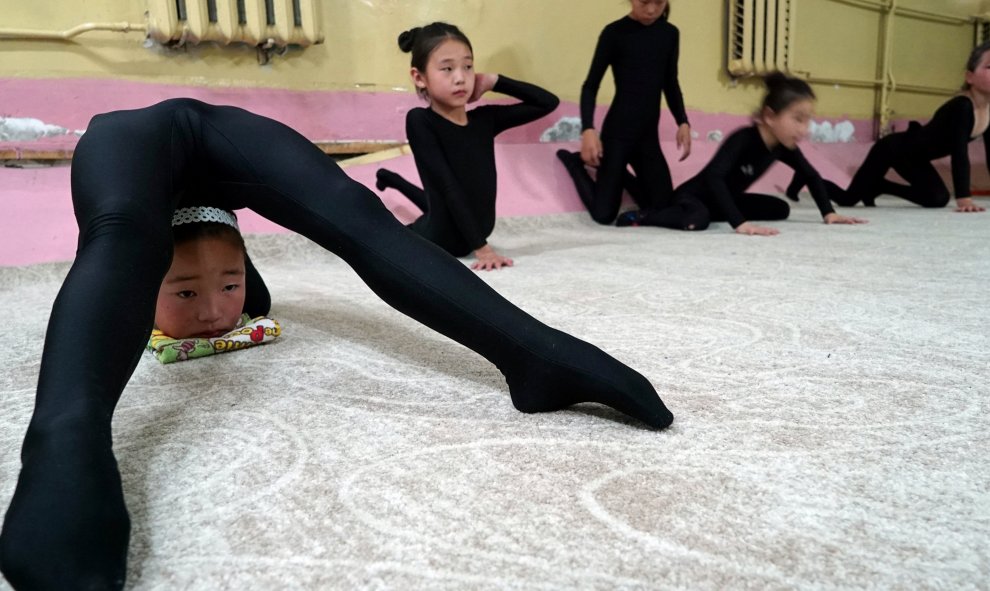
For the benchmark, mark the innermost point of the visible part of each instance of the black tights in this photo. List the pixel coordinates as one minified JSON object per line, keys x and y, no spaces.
{"x":925,"y":187}
{"x":67,"y":526}
{"x":651,"y":188}
{"x":689,"y":212}
{"x":435,"y":224}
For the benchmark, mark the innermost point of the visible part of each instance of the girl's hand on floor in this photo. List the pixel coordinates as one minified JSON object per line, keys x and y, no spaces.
{"x":489,"y":260}
{"x":482,"y":84}
{"x":834,"y":218}
{"x":966,"y":205}
{"x":754,"y":230}
{"x":591,"y":147}
{"x":684,"y":141}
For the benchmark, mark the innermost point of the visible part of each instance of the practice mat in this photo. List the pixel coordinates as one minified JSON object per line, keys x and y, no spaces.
{"x":829,"y":387}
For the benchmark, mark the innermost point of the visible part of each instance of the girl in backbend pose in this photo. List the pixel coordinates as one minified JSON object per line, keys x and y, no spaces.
{"x":718,"y":192}
{"x":67,"y":526}
{"x":454,"y":148}
{"x":642,"y":49}
{"x":955,"y":124}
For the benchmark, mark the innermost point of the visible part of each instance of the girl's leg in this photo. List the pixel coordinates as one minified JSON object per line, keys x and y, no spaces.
{"x":67,"y":526}
{"x":869,"y":182}
{"x":257,"y":300}
{"x":653,"y":176}
{"x":757,"y":207}
{"x":297,"y":187}
{"x":686,"y":213}
{"x":387,"y":179}
{"x":601,"y":196}
{"x":794,"y":188}
{"x":835,"y":193}
{"x":926,"y":188}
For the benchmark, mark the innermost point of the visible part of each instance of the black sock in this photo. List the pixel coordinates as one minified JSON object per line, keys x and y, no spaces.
{"x":67,"y":526}
{"x":564,"y":380}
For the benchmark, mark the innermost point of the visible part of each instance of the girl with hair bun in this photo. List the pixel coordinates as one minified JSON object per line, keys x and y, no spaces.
{"x":955,"y":124}
{"x":718,"y":192}
{"x":454,"y":148}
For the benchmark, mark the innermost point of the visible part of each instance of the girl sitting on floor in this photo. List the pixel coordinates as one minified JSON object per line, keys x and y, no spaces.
{"x":955,"y":124}
{"x":718,"y":192}
{"x":454,"y":148}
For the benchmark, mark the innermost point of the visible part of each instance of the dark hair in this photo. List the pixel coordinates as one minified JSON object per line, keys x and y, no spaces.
{"x":974,"y":59}
{"x":203,"y":230}
{"x":666,"y":12}
{"x":782,"y":91}
{"x":422,"y":41}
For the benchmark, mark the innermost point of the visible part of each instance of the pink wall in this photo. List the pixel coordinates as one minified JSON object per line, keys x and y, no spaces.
{"x":38,"y":224}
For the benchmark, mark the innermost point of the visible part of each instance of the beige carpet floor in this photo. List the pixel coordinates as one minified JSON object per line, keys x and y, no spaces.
{"x":830,"y":387}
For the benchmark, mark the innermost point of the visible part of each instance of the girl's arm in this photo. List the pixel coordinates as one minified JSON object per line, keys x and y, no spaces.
{"x":717,"y":171}
{"x":958,"y":123}
{"x":536,"y":103}
{"x":966,"y":204}
{"x":591,"y":145}
{"x":675,"y":99}
{"x":431,"y":161}
{"x":672,"y":86}
{"x":589,"y":90}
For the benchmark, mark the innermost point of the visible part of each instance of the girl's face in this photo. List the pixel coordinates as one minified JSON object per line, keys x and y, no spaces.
{"x":790,"y":126}
{"x":646,"y":12}
{"x":203,"y":293}
{"x":449,"y":75}
{"x":979,"y":78}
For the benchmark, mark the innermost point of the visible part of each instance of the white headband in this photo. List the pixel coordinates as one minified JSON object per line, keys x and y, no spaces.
{"x":190,"y":215}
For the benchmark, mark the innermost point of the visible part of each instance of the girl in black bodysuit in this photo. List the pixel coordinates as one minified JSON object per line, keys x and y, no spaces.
{"x":955,"y":124}
{"x":454,"y":148}
{"x":67,"y":526}
{"x":642,"y":50}
{"x":718,"y":192}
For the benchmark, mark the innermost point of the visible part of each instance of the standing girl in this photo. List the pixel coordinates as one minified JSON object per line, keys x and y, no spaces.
{"x":955,"y":124}
{"x":642,"y":49}
{"x":454,"y":148}
{"x":718,"y":192}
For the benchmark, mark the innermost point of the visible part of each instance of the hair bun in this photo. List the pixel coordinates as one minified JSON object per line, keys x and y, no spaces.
{"x":774,"y":79}
{"x":408,"y":38}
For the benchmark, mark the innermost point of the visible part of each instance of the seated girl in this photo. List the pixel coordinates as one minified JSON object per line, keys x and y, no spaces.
{"x":718,"y":192}
{"x":454,"y":148}
{"x":959,"y":121}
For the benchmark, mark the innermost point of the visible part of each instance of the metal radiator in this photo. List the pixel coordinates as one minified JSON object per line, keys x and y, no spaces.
{"x":759,"y":36}
{"x":267,"y":23}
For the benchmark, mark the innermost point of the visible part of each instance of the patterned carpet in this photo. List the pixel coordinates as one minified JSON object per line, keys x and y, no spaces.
{"x":830,"y":389}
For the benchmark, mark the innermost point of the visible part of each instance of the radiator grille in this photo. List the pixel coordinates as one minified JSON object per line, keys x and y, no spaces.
{"x":759,"y":36}
{"x":255,"y":22}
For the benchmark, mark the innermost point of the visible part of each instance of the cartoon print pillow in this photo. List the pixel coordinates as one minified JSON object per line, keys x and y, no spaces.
{"x":248,"y":333}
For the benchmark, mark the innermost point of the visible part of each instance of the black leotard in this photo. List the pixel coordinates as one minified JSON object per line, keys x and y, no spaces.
{"x":643,"y":59}
{"x":644,"y":66}
{"x":457,"y":166}
{"x":67,"y":526}
{"x":910,"y":154}
{"x":718,"y":192}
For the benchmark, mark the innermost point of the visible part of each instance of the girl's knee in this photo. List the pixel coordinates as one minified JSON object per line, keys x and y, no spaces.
{"x":697,"y":223}
{"x":940,"y":198}
{"x":782,"y":212}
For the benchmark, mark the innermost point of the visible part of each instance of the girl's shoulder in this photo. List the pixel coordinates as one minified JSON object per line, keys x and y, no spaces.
{"x":744,"y":133}
{"x":418,"y":113}
{"x":959,"y":104}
